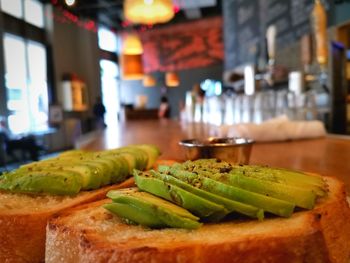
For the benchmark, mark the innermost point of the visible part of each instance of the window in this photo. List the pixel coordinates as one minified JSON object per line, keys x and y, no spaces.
{"x":33,"y":10}
{"x":13,"y":7}
{"x":107,"y":40}
{"x":26,"y":84}
{"x":34,"y":13}
{"x":110,"y":95}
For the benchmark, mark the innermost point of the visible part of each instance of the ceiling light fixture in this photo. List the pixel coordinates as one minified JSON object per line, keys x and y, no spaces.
{"x":70,"y":2}
{"x":149,"y":81}
{"x":148,"y":11}
{"x":172,"y":79}
{"x":131,"y":66}
{"x":132,"y":45}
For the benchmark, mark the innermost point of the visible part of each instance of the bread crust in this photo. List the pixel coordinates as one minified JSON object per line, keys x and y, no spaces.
{"x":23,"y":234}
{"x":319,"y":235}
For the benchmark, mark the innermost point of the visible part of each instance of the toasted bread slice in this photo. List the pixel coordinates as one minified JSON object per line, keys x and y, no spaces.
{"x":89,"y":233}
{"x":23,"y":220}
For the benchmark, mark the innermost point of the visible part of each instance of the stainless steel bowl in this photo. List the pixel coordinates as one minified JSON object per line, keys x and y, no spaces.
{"x":233,"y":150}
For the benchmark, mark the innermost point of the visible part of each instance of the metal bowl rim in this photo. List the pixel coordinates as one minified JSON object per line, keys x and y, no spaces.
{"x":239,"y":141}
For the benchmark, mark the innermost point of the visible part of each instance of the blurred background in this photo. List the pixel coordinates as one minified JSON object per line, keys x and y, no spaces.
{"x":68,"y":68}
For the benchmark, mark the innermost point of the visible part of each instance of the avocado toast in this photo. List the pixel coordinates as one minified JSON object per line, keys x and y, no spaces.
{"x":140,"y":225}
{"x":33,"y":193}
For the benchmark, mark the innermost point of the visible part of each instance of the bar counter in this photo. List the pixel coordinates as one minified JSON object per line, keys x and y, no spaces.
{"x":327,"y":156}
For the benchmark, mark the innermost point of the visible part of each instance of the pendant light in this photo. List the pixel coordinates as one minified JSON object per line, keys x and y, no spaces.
{"x":148,"y":11}
{"x":149,"y":81}
{"x":131,"y":66}
{"x":172,"y":79}
{"x":131,"y":58}
{"x":132,"y":45}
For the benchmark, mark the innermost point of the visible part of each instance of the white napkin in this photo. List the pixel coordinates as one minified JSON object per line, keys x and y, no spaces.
{"x":277,"y":129}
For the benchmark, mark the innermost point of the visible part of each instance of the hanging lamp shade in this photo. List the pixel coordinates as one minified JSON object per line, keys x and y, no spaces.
{"x":149,"y":81}
{"x":172,"y":79}
{"x":131,"y":66}
{"x":132,"y":45}
{"x":148,"y":11}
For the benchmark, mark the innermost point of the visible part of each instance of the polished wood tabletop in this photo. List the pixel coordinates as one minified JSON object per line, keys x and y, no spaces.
{"x":329,"y":155}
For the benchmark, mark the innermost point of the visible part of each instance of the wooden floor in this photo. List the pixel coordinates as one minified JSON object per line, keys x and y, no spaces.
{"x":327,"y":156}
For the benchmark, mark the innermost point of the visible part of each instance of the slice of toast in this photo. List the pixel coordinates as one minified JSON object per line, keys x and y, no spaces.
{"x":89,"y":233}
{"x":23,"y":220}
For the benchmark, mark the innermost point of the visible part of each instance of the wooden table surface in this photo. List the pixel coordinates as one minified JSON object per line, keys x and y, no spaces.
{"x":327,"y":156}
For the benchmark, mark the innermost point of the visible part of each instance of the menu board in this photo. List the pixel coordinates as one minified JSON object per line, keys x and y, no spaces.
{"x":246,"y":21}
{"x":292,"y":19}
{"x":241,"y":31}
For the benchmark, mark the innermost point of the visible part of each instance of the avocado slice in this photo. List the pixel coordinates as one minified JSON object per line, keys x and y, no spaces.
{"x":230,"y":205}
{"x":121,"y":168}
{"x":152,"y":152}
{"x":195,"y":204}
{"x":131,"y":214}
{"x":106,"y":166}
{"x":51,"y":182}
{"x":88,"y":173}
{"x":140,"y":154}
{"x":283,"y":176}
{"x":158,"y":211}
{"x":121,"y":165}
{"x":129,"y":157}
{"x":135,"y":158}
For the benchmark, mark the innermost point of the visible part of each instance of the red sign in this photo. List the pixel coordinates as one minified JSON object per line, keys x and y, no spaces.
{"x":183,"y":46}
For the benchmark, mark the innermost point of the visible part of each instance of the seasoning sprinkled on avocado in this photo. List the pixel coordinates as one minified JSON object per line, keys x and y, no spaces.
{"x":213,"y":189}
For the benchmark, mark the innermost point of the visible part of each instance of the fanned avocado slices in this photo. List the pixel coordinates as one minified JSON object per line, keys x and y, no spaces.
{"x":212,"y":189}
{"x":76,"y":170}
{"x":225,"y":173}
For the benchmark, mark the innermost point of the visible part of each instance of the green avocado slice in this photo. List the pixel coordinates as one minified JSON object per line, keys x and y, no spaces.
{"x":158,"y":212}
{"x":152,"y":151}
{"x":106,"y":166}
{"x":88,"y":173}
{"x":135,"y":215}
{"x":195,"y":204}
{"x":140,"y":154}
{"x":51,"y":182}
{"x":121,"y":167}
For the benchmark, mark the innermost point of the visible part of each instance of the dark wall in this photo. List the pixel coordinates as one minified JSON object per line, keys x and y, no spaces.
{"x":75,"y":50}
{"x":130,"y":89}
{"x":341,"y":13}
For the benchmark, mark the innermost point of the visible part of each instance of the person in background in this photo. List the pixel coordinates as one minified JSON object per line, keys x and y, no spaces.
{"x":198,"y":96}
{"x":99,"y":111}
{"x":25,"y":144}
{"x":164,"y":108}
